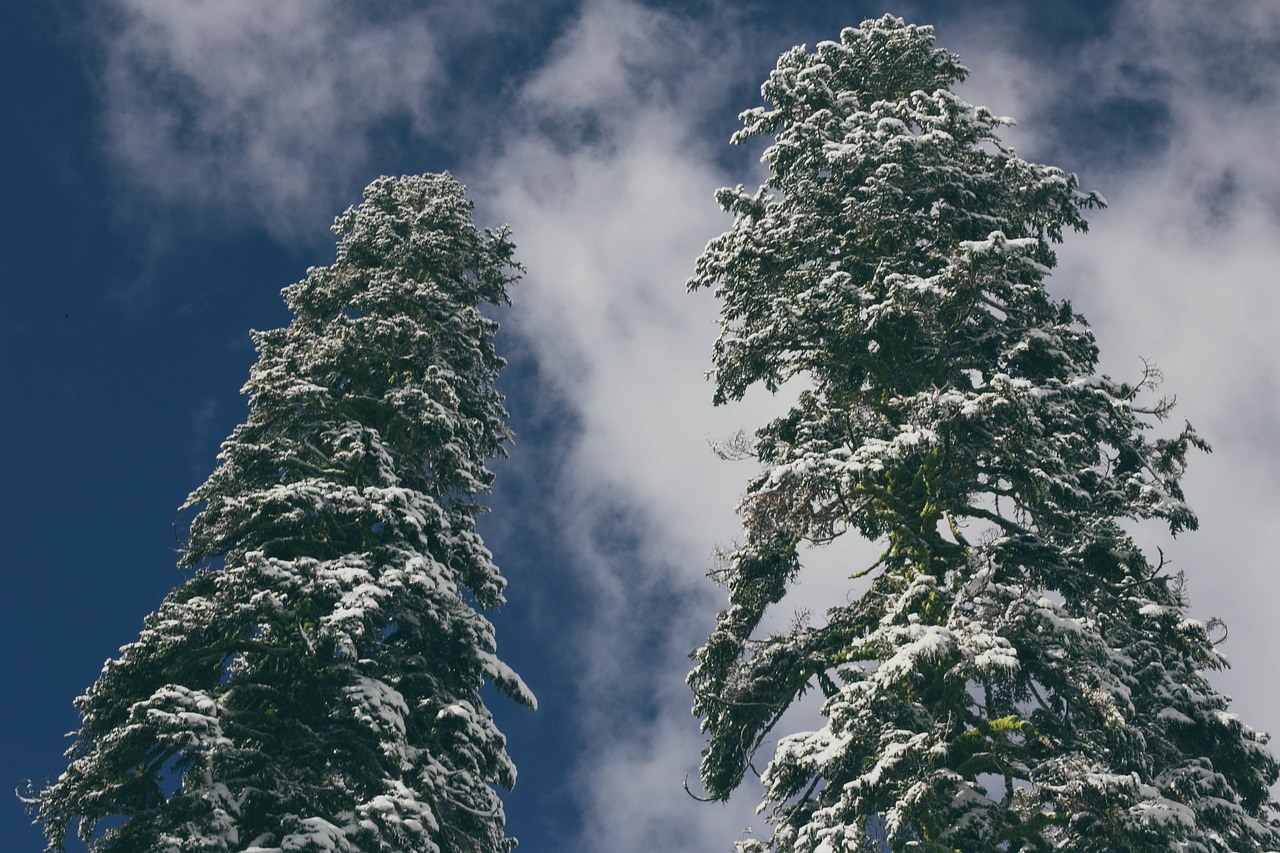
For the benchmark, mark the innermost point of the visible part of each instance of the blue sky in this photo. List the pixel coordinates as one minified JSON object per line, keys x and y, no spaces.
{"x":171,"y":165}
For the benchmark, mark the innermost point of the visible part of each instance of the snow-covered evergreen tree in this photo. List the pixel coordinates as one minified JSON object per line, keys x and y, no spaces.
{"x":315,"y":685}
{"x":1017,"y":676}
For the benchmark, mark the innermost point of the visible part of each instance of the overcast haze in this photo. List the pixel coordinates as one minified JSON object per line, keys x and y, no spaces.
{"x":172,"y":165}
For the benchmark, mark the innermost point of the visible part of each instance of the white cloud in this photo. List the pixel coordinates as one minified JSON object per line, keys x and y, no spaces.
{"x":608,"y":187}
{"x":266,"y":111}
{"x":1182,"y":269}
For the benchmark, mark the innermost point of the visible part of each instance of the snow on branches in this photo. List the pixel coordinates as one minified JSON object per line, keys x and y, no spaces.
{"x":1019,"y":676}
{"x":315,"y":685}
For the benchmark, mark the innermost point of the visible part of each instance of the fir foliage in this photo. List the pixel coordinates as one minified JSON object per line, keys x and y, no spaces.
{"x":315,"y":685}
{"x":1018,"y":676}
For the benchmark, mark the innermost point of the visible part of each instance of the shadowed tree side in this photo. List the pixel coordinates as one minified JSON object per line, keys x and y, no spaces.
{"x":315,"y":685}
{"x":1018,"y":676}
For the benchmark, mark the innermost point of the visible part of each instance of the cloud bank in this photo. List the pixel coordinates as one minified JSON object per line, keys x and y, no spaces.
{"x":262,"y":112}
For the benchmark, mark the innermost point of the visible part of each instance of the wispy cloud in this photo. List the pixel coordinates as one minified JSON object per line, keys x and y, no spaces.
{"x":1183,"y":267}
{"x":607,"y":184}
{"x":266,"y":112}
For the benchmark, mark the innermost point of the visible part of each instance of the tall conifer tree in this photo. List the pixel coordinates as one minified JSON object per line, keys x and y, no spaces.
{"x":315,"y":685}
{"x":1018,"y":676}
